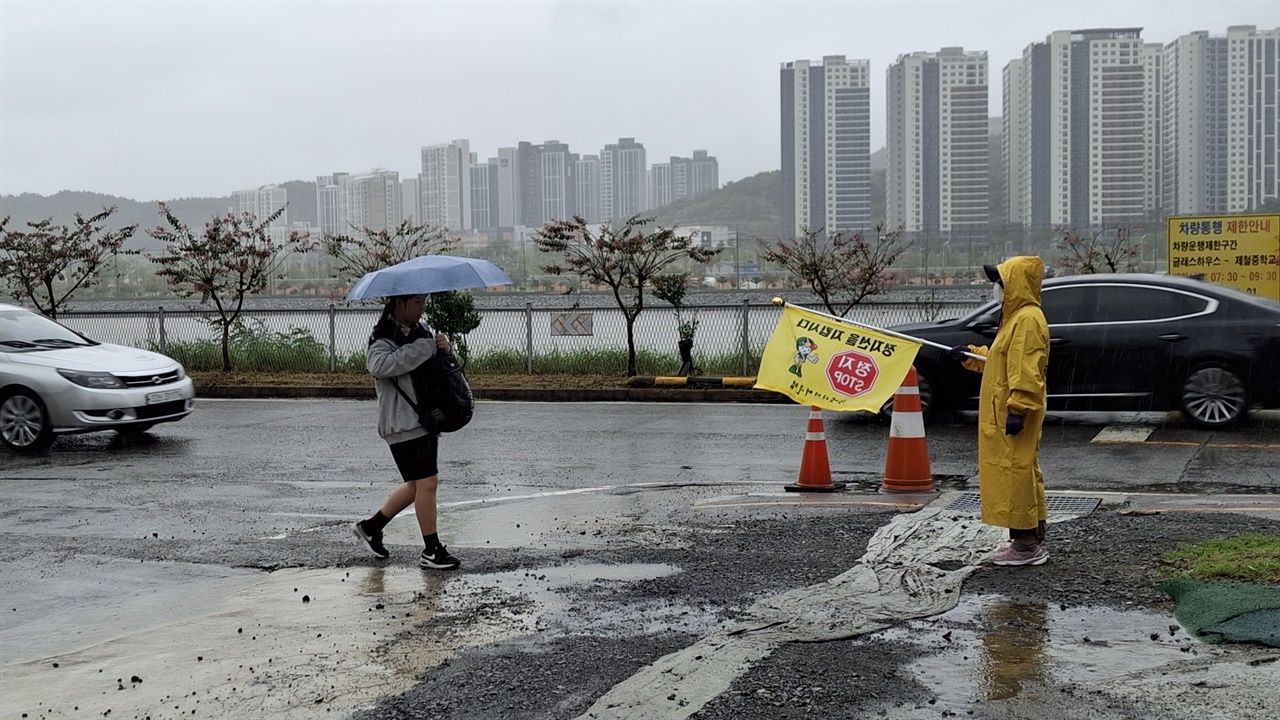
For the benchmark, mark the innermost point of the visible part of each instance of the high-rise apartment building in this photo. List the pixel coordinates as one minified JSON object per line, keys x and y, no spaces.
{"x":1152,"y":130}
{"x":660,"y":190}
{"x":410,"y":200}
{"x":1221,"y":121}
{"x":445,"y":184}
{"x":346,"y":203}
{"x":938,"y":136}
{"x":547,"y":185}
{"x":826,"y":145}
{"x":484,"y":194}
{"x":370,"y":201}
{"x":682,"y":178}
{"x":588,"y":188}
{"x":330,"y":197}
{"x":623,"y":187}
{"x":510,"y":211}
{"x":1077,"y":127}
{"x":704,"y":174}
{"x":261,"y":202}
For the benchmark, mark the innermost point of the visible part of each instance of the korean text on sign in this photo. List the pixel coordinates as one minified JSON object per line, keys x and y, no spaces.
{"x":1241,"y":251}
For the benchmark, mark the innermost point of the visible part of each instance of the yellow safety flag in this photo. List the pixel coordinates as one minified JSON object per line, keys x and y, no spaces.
{"x":817,"y":360}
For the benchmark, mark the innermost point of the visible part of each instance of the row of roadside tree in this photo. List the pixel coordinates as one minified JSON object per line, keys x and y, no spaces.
{"x":235,"y":256}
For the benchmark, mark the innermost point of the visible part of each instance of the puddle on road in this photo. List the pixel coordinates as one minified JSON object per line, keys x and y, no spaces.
{"x":994,"y":648}
{"x":299,"y":640}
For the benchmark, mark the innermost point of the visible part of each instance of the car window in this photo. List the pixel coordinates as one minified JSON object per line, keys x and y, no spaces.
{"x":22,"y":330}
{"x":1120,"y":303}
{"x":1116,"y":303}
{"x":1070,"y":304}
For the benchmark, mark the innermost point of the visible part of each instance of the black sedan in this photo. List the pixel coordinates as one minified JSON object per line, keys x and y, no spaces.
{"x":1131,"y":342}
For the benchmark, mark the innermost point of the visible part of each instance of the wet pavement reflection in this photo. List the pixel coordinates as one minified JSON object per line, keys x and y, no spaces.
{"x":1013,"y":647}
{"x":1006,"y":651}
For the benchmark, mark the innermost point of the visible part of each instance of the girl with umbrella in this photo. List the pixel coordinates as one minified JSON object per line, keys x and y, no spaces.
{"x":399,"y":350}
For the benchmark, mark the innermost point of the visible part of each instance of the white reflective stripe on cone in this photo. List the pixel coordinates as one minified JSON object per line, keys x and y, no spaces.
{"x":907,"y":425}
{"x":909,"y":390}
{"x":815,"y":436}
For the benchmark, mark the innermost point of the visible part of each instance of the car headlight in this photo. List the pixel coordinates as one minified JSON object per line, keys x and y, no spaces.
{"x":182,"y":372}
{"x":94,"y":380}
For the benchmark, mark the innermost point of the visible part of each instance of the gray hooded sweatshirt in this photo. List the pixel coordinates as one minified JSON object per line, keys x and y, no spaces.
{"x":390,"y":364}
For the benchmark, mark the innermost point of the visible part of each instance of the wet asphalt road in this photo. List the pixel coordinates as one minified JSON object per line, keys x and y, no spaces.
{"x":106,"y":540}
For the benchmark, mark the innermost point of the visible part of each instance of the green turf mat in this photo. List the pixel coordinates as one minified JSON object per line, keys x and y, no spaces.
{"x":1237,"y":612}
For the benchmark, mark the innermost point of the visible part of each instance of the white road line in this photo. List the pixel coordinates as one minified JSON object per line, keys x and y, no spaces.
{"x":1121,"y":434}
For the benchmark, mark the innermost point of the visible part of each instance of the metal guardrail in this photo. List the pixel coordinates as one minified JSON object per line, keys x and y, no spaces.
{"x":333,"y":338}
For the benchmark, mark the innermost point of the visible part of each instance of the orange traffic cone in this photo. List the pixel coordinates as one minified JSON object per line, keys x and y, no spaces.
{"x":906,"y":468}
{"x":815,"y":470}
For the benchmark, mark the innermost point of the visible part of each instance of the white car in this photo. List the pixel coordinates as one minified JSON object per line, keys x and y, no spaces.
{"x":55,"y":381}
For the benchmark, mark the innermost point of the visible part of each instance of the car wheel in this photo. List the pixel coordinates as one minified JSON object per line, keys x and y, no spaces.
{"x":926,"y":399}
{"x":1214,"y":397}
{"x":24,"y":422}
{"x":134,"y":430}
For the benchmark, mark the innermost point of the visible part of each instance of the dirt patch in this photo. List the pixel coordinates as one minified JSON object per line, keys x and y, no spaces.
{"x":1103,"y":559}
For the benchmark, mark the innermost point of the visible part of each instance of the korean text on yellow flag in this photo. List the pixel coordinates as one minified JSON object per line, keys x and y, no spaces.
{"x":822,"y":362}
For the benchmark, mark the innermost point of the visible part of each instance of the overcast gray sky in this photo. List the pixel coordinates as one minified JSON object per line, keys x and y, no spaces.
{"x":156,"y":100}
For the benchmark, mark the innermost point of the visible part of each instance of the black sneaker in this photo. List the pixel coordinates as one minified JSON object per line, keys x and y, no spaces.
{"x":439,"y":559}
{"x":373,"y":541}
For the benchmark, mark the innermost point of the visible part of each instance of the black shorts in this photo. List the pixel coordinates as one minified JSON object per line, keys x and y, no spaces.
{"x":416,"y":458}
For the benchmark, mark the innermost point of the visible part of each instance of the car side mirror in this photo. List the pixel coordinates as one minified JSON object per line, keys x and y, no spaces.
{"x":986,"y":324}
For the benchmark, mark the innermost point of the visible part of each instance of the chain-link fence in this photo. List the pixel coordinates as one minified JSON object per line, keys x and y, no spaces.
{"x":728,"y":340}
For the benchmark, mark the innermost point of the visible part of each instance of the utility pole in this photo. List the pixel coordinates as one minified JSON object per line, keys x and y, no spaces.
{"x":737,"y":264}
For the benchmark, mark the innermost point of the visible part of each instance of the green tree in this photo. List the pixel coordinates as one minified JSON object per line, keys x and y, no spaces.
{"x":842,"y":269}
{"x":626,"y":259}
{"x":671,"y":288}
{"x":452,"y":312}
{"x":233,"y":257}
{"x":47,"y":263}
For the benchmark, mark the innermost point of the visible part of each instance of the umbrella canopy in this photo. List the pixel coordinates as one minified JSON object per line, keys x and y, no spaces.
{"x":428,"y":274}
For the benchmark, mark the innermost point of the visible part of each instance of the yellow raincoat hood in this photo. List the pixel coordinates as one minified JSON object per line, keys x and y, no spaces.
{"x":1021,"y":277}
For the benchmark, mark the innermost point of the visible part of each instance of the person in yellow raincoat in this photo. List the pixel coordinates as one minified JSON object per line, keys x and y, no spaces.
{"x":1011,"y":412}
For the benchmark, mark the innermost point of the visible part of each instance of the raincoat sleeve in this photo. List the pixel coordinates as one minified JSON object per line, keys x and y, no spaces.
{"x":386,"y":360}
{"x":1028,"y":355}
{"x":973,"y":364}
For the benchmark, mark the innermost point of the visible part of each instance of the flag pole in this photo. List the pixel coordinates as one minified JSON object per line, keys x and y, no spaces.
{"x":783,"y":303}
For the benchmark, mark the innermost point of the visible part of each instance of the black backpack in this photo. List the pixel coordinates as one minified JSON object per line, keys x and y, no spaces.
{"x":448,"y":404}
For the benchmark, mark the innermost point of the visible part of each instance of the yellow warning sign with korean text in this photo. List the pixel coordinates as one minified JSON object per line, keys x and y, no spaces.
{"x":1239,"y":251}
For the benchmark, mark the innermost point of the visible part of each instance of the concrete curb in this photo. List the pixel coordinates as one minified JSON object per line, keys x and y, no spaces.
{"x":646,"y":381}
{"x":634,"y":394}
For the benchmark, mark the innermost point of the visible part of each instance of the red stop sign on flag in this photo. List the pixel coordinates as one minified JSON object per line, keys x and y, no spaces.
{"x":852,"y":373}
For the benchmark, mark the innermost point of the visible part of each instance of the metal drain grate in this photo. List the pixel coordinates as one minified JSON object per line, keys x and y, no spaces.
{"x":1058,"y":504}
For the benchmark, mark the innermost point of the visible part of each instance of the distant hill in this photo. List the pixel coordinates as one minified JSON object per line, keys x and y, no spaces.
{"x":62,"y":207}
{"x":751,"y":205}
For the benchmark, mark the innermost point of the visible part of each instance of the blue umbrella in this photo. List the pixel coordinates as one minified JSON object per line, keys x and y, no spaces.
{"x":428,"y":274}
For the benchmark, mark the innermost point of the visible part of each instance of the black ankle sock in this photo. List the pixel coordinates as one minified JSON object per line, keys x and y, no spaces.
{"x":432,"y":541}
{"x":377,"y":522}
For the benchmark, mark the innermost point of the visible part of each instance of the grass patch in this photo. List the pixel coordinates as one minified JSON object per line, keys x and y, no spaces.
{"x":605,"y":361}
{"x":255,"y":349}
{"x":1248,"y":558}
{"x":258,"y":351}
